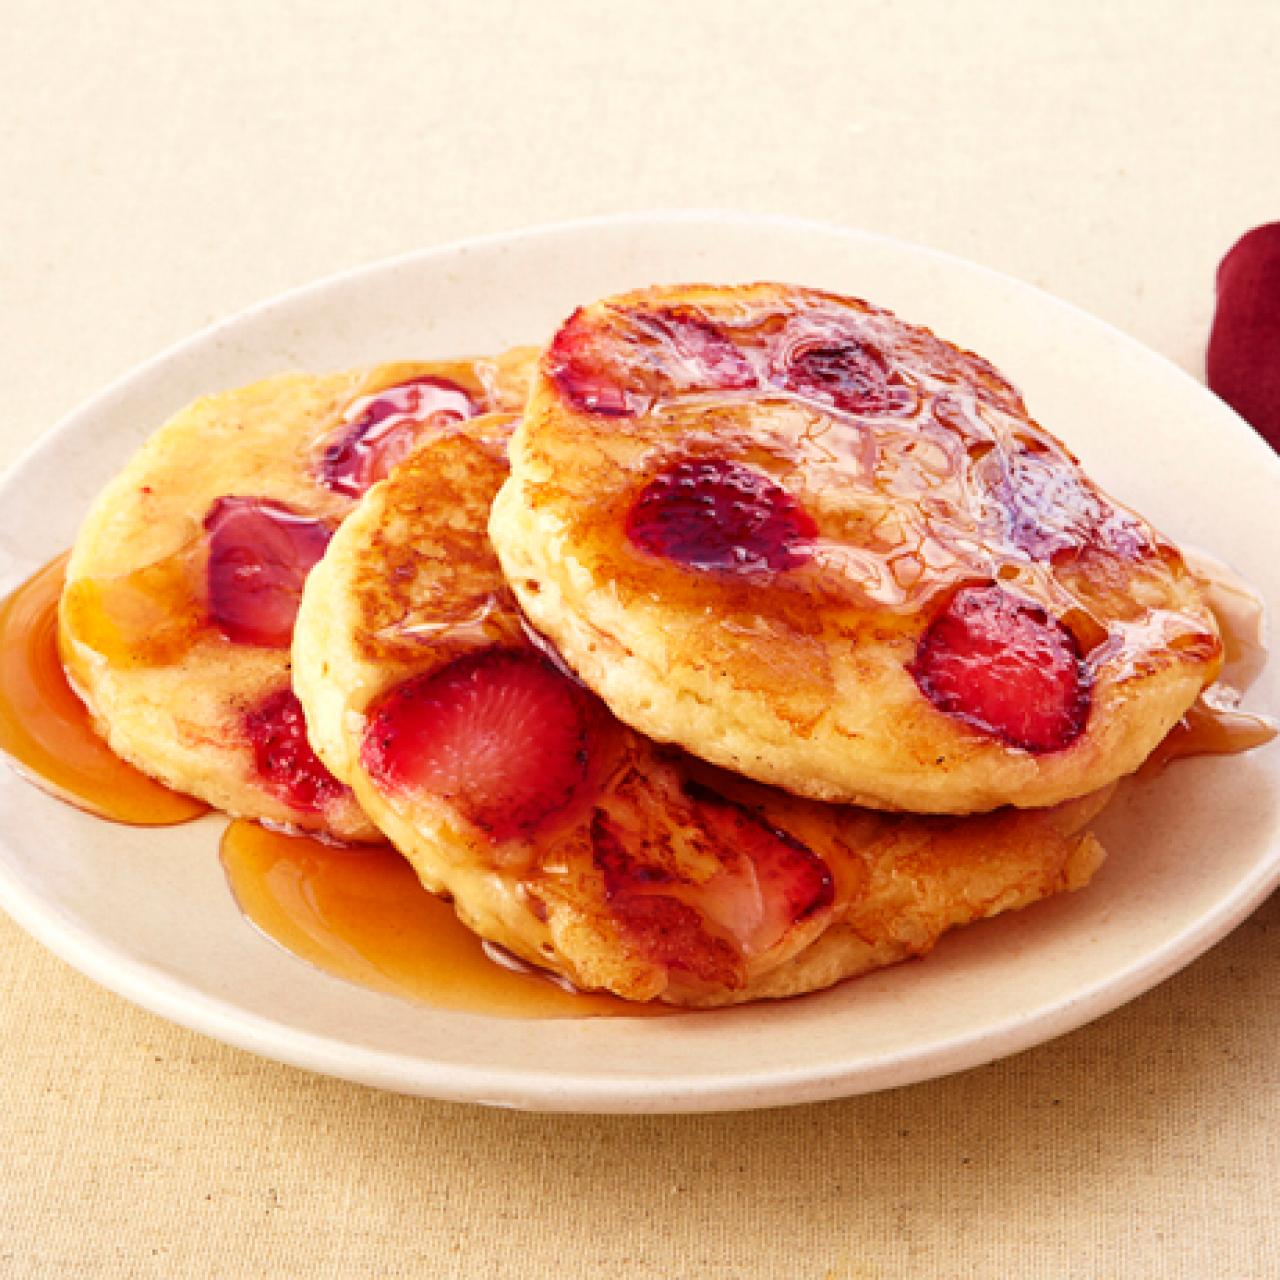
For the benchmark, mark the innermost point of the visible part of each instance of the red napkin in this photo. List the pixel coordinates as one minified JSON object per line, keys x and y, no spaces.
{"x":1243,"y":359}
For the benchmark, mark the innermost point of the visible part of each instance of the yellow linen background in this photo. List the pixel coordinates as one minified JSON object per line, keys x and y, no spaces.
{"x":164,"y":165}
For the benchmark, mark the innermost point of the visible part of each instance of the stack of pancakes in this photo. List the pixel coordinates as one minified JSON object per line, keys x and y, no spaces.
{"x":742,"y":640}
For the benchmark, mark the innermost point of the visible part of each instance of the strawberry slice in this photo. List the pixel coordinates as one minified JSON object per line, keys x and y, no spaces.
{"x":661,"y":926}
{"x":587,"y":365}
{"x":819,"y":360}
{"x":1051,"y":511}
{"x":384,"y":428}
{"x":260,"y":553}
{"x":620,"y":371}
{"x":698,"y":354}
{"x":1005,"y":667}
{"x":286,"y":764}
{"x":500,"y":734}
{"x":743,"y":891}
{"x":709,"y":513}
{"x":771,"y":885}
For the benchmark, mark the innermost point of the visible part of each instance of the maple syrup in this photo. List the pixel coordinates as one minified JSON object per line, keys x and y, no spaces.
{"x":1216,"y":725}
{"x":45,"y":729}
{"x":149,"y":617}
{"x":357,"y":912}
{"x":360,"y":913}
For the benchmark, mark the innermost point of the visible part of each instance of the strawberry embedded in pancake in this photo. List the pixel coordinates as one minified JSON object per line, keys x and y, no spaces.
{"x":181,"y":592}
{"x":809,"y":542}
{"x":382,"y":429}
{"x":712,"y":514}
{"x":259,"y":556}
{"x":571,"y":840}
{"x":1005,"y":667}
{"x":286,"y":765}
{"x":598,"y":378}
{"x":500,"y":733}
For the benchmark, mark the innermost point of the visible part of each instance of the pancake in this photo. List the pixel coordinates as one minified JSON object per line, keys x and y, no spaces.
{"x":177,"y":613}
{"x":569,"y":839}
{"x":819,"y":546}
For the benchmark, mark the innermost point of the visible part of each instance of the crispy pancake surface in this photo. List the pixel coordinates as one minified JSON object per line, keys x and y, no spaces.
{"x":177,"y":614}
{"x":568,"y":838}
{"x":814,"y":544}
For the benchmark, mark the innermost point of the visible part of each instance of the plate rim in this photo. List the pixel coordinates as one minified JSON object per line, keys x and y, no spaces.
{"x":149,"y":987}
{"x":673,"y":216}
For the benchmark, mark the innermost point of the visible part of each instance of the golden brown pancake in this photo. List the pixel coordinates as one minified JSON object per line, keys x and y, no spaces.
{"x":177,"y":615}
{"x":812,"y":543}
{"x":571,"y":840}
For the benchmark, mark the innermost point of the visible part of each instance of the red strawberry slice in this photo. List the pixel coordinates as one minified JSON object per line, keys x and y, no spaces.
{"x":763,"y":884}
{"x":620,"y":371}
{"x":501,"y":735}
{"x":260,"y":553}
{"x":384,"y":428}
{"x":822,"y":362}
{"x":1050,"y":510}
{"x":663,"y":928}
{"x":286,"y":764}
{"x":698,"y":354}
{"x":772,"y":885}
{"x":709,"y":513}
{"x":1005,"y":667}
{"x":585,"y":362}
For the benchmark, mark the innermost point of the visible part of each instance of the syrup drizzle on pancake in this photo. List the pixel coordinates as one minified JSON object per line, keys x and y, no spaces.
{"x":827,"y":486}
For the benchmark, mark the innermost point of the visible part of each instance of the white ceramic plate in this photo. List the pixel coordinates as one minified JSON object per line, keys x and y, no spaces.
{"x":148,"y":913}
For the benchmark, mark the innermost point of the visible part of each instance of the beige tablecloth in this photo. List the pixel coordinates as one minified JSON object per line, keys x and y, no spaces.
{"x":162,"y":165}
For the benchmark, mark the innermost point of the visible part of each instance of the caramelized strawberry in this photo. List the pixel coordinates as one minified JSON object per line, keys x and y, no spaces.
{"x":620,"y":372}
{"x":384,"y":428}
{"x":500,"y":734}
{"x":671,"y":933}
{"x":592,"y":373}
{"x":695,"y":353}
{"x":786,"y":882}
{"x":819,"y":360}
{"x":285,"y":762}
{"x":260,"y":553}
{"x":711,"y":888}
{"x":710,"y":513}
{"x":1051,"y":511}
{"x":1005,"y":667}
{"x":662,"y":928}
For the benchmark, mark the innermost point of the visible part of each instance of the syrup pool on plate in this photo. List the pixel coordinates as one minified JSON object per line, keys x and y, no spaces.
{"x":360,"y":913}
{"x":45,"y":729}
{"x":1216,"y":724}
